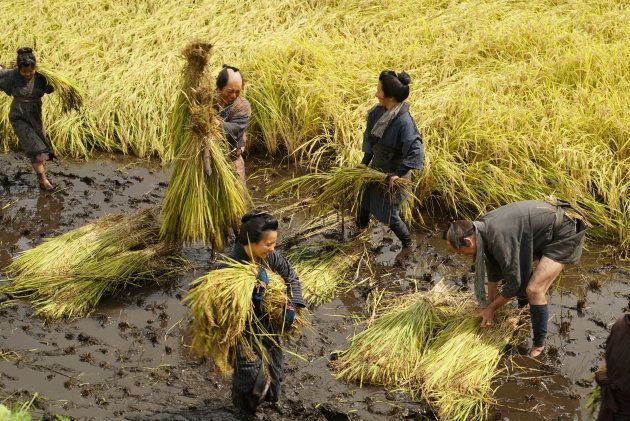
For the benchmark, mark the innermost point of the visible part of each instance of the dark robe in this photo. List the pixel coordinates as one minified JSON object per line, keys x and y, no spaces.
{"x":234,"y":121}
{"x":515,"y":234}
{"x":25,"y":114}
{"x":253,"y":372}
{"x":398,"y":151}
{"x":615,"y":381}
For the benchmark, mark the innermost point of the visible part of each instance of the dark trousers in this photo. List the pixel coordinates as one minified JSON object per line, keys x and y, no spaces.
{"x":396,"y":224}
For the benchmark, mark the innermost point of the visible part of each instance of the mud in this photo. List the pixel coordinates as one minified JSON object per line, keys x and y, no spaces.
{"x":130,"y":358}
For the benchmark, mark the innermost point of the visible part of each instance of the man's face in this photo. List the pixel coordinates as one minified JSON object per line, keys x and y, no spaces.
{"x":232,"y":90}
{"x":469,"y":248}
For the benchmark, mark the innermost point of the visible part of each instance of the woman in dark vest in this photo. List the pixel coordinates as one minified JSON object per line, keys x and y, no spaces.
{"x":257,"y":378}
{"x":27,"y":87}
{"x":393,"y":145}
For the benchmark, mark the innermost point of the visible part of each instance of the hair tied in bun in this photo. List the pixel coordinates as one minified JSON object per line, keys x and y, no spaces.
{"x":404,"y":78}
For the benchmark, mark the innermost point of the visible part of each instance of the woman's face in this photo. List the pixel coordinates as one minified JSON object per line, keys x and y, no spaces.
{"x":266,"y":245}
{"x":27,"y":72}
{"x":380,"y":95}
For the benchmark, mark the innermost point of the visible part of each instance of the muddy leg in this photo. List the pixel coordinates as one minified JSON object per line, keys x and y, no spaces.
{"x":545,"y":273}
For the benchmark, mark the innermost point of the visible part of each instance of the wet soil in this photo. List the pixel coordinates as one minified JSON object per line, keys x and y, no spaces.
{"x":130,"y":359}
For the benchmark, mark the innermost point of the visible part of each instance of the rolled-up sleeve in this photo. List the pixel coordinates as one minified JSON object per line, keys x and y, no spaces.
{"x":282,"y":267}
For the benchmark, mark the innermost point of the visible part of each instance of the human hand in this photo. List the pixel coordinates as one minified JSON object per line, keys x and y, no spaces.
{"x":391,"y":179}
{"x":289,"y":314}
{"x":487,"y":317}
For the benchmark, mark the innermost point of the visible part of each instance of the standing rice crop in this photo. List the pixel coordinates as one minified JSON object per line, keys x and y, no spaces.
{"x":68,"y":275}
{"x":205,"y":199}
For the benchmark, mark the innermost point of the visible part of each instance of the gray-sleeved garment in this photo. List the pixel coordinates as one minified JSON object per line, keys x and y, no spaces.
{"x":234,"y":121}
{"x":515,"y":234}
{"x":25,"y":114}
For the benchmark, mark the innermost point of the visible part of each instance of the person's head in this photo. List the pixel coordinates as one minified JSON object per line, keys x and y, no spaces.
{"x":229,"y":84}
{"x":258,"y":233}
{"x":392,"y":88}
{"x":26,"y":62}
{"x":461,"y":237}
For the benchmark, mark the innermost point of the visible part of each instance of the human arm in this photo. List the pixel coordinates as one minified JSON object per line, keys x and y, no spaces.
{"x":282,"y":267}
{"x":412,"y":148}
{"x":487,"y":314}
{"x":6,"y":80}
{"x":236,"y":124}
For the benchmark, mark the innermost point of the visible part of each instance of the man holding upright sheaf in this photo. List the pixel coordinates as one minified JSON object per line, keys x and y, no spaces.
{"x":505,"y":243}
{"x":234,"y":114}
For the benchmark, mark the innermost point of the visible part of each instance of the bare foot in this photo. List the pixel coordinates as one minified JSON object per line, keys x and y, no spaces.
{"x":536,"y":351}
{"x":44,"y":184}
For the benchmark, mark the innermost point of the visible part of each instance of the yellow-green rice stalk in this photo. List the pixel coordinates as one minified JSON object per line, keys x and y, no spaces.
{"x":221,"y":309}
{"x":223,"y":314}
{"x":459,"y":365}
{"x":69,"y":91}
{"x":388,"y":352}
{"x":69,"y":274}
{"x":338,"y":189}
{"x":205,"y":199}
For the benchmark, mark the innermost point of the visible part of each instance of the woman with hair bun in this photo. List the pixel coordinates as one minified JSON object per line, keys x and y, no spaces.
{"x":27,"y":87}
{"x":257,"y":378}
{"x":393,"y":145}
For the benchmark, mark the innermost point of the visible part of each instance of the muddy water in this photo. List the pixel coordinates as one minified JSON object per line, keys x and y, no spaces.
{"x":130,"y":360}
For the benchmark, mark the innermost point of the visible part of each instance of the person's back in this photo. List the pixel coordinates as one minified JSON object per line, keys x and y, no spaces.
{"x":615,"y":382}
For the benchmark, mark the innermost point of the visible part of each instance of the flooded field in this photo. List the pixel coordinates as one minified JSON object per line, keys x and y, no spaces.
{"x":130,"y":359}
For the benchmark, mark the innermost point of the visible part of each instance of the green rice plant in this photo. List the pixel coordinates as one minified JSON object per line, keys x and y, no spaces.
{"x":68,"y":275}
{"x":201,"y":204}
{"x":339,"y":189}
{"x":223,"y":313}
{"x":388,"y":352}
{"x":593,"y":400}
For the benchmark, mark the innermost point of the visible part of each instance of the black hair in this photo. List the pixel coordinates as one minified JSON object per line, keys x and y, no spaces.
{"x":224,"y":76}
{"x":254,"y":224}
{"x":395,"y":85}
{"x":457,"y":231}
{"x":25,"y":58}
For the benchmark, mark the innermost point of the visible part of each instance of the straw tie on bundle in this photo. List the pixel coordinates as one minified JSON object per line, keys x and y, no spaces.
{"x":205,"y":199}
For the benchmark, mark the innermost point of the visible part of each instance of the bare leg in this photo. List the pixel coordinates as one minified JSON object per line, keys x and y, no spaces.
{"x":545,"y":273}
{"x":38,"y":167}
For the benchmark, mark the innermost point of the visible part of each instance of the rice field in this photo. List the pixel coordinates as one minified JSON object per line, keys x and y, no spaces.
{"x":515,"y":99}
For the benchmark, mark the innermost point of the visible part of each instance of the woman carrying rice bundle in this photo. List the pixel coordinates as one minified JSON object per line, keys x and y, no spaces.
{"x":257,"y":376}
{"x":27,"y":87}
{"x":393,"y":145}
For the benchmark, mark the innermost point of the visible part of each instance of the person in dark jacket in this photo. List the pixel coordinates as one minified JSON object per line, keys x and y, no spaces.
{"x":234,"y":113}
{"x":505,"y":243}
{"x":27,"y":87}
{"x":393,"y":145}
{"x":258,"y":377}
{"x":615,"y":381}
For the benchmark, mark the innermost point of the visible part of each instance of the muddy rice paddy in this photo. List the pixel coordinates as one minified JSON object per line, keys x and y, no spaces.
{"x":130,"y":359}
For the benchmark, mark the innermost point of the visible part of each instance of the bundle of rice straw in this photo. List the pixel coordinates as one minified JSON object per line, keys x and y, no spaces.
{"x":69,"y":91}
{"x":205,"y":199}
{"x":323,"y":275}
{"x":223,"y":313}
{"x":339,"y":189}
{"x":431,"y":346}
{"x":69,"y":274}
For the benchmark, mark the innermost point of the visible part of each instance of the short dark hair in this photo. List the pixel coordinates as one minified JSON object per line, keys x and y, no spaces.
{"x":25,"y":58}
{"x":395,"y":85}
{"x":224,"y":76}
{"x":457,"y":231}
{"x":254,"y":224}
